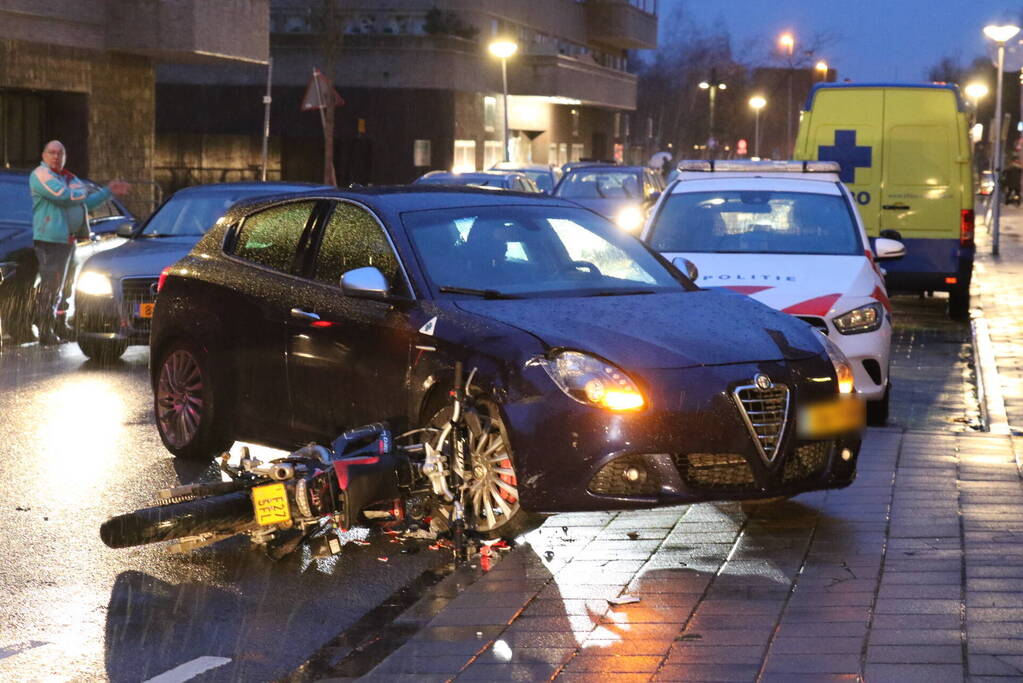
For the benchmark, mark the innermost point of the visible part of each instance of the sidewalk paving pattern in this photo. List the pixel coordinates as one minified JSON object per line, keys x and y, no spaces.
{"x":914,"y":573}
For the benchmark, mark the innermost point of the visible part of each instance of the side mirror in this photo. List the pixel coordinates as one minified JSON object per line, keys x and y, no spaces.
{"x":887,"y":249}
{"x":125,"y":229}
{"x":687,"y":267}
{"x":890,"y":234}
{"x":367,"y":283}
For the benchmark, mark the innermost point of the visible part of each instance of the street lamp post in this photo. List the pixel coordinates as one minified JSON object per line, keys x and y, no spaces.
{"x":999,"y":34}
{"x":976,"y":92}
{"x":757,"y":103}
{"x":788,"y":43}
{"x":712,"y":87}
{"x":503,"y":49}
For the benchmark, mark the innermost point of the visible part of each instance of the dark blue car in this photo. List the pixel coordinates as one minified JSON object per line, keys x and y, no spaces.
{"x":116,"y":289}
{"x":606,"y":378}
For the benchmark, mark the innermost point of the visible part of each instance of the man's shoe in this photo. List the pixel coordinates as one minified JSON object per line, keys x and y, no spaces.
{"x":49,"y":339}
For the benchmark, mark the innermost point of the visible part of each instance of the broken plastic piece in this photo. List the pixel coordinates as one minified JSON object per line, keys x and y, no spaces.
{"x":623,"y":600}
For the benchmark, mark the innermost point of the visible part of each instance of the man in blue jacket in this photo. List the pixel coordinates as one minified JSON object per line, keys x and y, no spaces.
{"x":60,"y":204}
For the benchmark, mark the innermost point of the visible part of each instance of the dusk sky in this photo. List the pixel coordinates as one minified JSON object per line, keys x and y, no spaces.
{"x":878,"y":39}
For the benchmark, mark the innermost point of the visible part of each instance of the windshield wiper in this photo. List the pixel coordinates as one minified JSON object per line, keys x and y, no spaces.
{"x":485,"y":293}
{"x":622,"y":292}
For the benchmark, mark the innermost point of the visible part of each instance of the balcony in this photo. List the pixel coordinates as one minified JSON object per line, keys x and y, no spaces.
{"x":572,"y":78}
{"x":624,"y":24}
{"x":190,"y":30}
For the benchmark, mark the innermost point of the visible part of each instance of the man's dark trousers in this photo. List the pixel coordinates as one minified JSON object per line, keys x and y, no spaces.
{"x":54,"y":258}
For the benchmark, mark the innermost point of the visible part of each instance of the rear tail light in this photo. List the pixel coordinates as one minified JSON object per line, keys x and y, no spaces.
{"x":163,"y":278}
{"x":966,"y":228}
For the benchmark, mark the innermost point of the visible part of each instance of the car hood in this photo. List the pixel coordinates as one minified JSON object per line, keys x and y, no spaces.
{"x":799,"y":284}
{"x":654,"y":331}
{"x":141,"y":257}
{"x":608,"y":208}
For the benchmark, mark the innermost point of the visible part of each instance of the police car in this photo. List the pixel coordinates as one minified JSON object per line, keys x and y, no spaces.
{"x":786,"y":233}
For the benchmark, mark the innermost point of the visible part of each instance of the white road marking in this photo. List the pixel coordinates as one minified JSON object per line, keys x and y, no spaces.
{"x":189,"y":670}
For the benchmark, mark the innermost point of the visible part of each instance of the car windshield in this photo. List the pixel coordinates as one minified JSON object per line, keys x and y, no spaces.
{"x":459,"y":179}
{"x":757,"y":221}
{"x":600,"y":183}
{"x":15,"y":202}
{"x":541,"y":178}
{"x":190,"y":214}
{"x":516,"y":251}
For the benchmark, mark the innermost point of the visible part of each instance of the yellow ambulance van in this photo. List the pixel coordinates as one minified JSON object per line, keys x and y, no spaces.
{"x":905,"y":156}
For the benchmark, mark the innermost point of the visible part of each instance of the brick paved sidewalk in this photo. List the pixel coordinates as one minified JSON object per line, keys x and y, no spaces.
{"x":915,"y":573}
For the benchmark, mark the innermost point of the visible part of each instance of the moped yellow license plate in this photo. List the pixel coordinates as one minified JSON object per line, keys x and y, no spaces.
{"x":146,"y":310}
{"x":831,"y":418}
{"x":271,"y":504}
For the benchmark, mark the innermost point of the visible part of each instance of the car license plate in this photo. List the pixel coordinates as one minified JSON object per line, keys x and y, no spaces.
{"x":146,"y":310}
{"x":271,"y":504}
{"x":829,"y":418}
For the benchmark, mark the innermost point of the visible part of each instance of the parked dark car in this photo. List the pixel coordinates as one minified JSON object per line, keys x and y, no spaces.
{"x":501,"y":180}
{"x":622,"y":193}
{"x":115,"y":293}
{"x":546,"y":176}
{"x":18,"y":261}
{"x":614,"y":381}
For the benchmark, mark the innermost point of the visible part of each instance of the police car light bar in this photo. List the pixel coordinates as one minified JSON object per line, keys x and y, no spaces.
{"x":760,"y":166}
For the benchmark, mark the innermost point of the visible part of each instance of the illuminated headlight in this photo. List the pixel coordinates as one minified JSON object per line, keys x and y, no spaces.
{"x":593,"y":382}
{"x":94,"y":283}
{"x":863,"y":319}
{"x":630,"y":218}
{"x":843,"y":368}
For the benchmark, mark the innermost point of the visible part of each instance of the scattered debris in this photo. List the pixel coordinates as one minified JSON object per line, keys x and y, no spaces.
{"x":623,"y":600}
{"x":383,"y":559}
{"x":690,"y":636}
{"x":22,"y":509}
{"x":633,"y":535}
{"x":548,"y":555}
{"x":359,"y":541}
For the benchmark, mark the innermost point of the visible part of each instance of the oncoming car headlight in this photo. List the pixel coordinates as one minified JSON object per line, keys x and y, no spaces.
{"x":843,"y":368}
{"x":863,"y":319}
{"x":96,"y":284}
{"x":593,"y":382}
{"x":630,"y":218}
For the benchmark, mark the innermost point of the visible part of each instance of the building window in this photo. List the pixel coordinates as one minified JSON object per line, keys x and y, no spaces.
{"x":562,"y":153}
{"x":490,"y":114}
{"x":465,"y":156}
{"x":552,"y":153}
{"x":577,"y":151}
{"x":492,"y":153}
{"x":575,"y":122}
{"x":618,"y":124}
{"x":421,"y":153}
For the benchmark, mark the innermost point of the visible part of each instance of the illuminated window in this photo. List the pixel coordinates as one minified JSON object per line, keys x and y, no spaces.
{"x":492,"y":153}
{"x":489,"y":114}
{"x":465,"y":156}
{"x":421,"y":155}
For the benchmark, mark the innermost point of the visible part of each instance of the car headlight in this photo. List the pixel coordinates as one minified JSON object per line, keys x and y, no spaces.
{"x":843,"y":368}
{"x":863,"y":319}
{"x":96,"y":284}
{"x":593,"y":382}
{"x":630,"y":218}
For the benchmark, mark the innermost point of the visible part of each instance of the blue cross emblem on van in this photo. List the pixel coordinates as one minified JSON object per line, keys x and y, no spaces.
{"x":847,"y":153}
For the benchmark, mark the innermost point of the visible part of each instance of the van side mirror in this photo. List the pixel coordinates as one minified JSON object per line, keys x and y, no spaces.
{"x":887,"y":249}
{"x":366,"y":283}
{"x":687,"y":267}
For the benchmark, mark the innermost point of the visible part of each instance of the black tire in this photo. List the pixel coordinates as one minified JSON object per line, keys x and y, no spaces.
{"x":959,"y":303}
{"x":187,"y":403}
{"x":228,"y":513}
{"x":486,"y":427}
{"x":103,"y":350}
{"x":877,"y":411}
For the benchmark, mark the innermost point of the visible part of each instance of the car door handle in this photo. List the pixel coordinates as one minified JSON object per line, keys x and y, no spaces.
{"x":304,"y":315}
{"x":894,"y":207}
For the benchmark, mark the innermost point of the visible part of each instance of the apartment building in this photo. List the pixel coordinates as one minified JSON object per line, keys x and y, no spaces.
{"x":421,"y":89}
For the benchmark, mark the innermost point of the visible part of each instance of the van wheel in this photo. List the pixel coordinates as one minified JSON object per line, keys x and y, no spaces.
{"x":959,"y":303}
{"x":877,"y":411}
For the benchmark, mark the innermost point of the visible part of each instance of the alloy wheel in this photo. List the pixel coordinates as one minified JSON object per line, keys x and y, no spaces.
{"x":179,"y":398}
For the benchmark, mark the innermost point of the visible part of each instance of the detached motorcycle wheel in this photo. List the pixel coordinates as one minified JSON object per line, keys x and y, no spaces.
{"x":493,"y":493}
{"x":227,"y":513}
{"x":188,"y":412}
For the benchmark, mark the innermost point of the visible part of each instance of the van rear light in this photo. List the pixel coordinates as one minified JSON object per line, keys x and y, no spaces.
{"x":966,"y":228}
{"x":163,"y":278}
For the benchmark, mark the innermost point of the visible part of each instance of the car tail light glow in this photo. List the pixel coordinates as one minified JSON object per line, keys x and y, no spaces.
{"x":163,"y":278}
{"x":966,"y":228}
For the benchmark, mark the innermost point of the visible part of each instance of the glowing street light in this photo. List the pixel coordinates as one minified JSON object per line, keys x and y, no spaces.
{"x":1000,"y":35}
{"x":821,"y":68}
{"x":503,"y":50}
{"x":976,"y":92}
{"x":712,"y":87}
{"x":787,"y":43}
{"x":757,"y":103}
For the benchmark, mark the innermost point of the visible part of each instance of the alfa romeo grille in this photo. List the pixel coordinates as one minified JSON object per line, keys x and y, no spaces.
{"x":715,"y":471}
{"x":765,"y":412}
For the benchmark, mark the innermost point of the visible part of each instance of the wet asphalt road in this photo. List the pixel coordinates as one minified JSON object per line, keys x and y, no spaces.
{"x":77,"y":445}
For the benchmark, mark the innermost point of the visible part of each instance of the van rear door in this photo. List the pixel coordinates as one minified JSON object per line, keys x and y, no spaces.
{"x":846,"y":127}
{"x":920,"y":192}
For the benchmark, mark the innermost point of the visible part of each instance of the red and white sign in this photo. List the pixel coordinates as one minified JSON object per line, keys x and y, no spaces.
{"x":320,"y":94}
